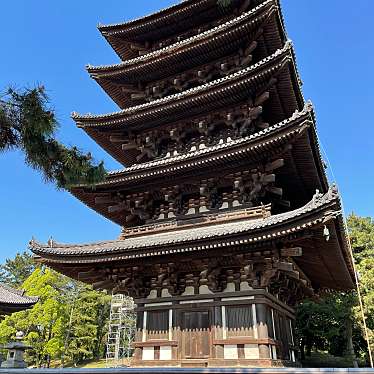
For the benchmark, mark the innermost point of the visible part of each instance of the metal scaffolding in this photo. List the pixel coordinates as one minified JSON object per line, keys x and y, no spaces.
{"x":121,"y":331}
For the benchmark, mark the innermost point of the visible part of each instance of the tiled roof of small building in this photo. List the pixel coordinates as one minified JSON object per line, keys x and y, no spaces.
{"x":14,"y":300}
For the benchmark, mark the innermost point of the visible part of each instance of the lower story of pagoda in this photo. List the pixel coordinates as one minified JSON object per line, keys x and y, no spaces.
{"x":232,"y":328}
{"x":220,"y":294}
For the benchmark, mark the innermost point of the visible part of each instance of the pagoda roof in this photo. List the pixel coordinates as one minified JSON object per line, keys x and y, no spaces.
{"x":266,"y":65}
{"x":301,"y":176}
{"x":194,"y":51}
{"x":326,"y":263}
{"x":169,"y":21}
{"x":202,"y":99}
{"x":12,"y":300}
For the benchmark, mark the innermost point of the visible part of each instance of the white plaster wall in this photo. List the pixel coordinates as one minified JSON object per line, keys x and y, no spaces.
{"x":148,"y":353}
{"x":230,"y":351}
{"x":165,"y":353}
{"x":251,"y":351}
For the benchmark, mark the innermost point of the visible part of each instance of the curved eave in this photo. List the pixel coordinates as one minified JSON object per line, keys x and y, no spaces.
{"x":301,"y":176}
{"x":268,"y":65}
{"x":12,"y":300}
{"x":193,"y":52}
{"x":331,"y":267}
{"x":6,"y":309}
{"x":197,"y":101}
{"x":162,"y":24}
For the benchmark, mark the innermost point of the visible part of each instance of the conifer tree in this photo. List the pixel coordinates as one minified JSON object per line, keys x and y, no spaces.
{"x":28,"y":124}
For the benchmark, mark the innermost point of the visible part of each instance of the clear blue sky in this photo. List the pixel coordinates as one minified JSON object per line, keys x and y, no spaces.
{"x":50,"y":42}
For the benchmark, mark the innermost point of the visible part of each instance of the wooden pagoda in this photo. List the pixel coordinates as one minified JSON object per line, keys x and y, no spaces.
{"x":226,"y":213}
{"x":12,"y":300}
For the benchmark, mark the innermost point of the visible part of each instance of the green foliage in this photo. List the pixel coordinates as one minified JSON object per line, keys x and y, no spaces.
{"x":334,"y":324}
{"x":323,"y":325}
{"x":42,"y":325}
{"x":15,"y":271}
{"x":69,"y":322}
{"x":361,"y":232}
{"x":87,"y":326}
{"x":28,"y":124}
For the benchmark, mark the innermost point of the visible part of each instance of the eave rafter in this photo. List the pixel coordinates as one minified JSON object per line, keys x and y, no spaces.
{"x":197,"y":101}
{"x":127,"y":82}
{"x":253,"y":74}
{"x":323,"y":210}
{"x":273,"y":143}
{"x":128,"y":39}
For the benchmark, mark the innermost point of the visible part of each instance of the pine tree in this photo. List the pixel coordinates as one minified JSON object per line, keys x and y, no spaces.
{"x":28,"y":124}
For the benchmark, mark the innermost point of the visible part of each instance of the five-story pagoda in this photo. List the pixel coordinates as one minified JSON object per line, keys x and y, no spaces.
{"x":228,"y":220}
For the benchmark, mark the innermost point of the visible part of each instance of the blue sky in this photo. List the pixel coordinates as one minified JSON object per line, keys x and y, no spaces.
{"x":50,"y":42}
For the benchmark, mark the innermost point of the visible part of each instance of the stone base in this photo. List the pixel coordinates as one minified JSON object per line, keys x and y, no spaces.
{"x":12,"y":364}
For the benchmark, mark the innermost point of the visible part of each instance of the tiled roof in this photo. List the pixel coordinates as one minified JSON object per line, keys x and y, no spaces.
{"x":10,"y":296}
{"x":306,"y":113}
{"x":298,"y":129}
{"x":254,"y":228}
{"x":326,"y":261}
{"x":177,"y":47}
{"x":148,"y":18}
{"x":255,"y":143}
{"x":155,"y":107}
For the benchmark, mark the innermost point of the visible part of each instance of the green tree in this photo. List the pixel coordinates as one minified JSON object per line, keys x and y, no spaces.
{"x":15,"y":271}
{"x":28,"y":124}
{"x":361,"y":232}
{"x":88,"y":325}
{"x":69,"y":323}
{"x":44,"y":324}
{"x":335,"y":322}
{"x":323,"y":325}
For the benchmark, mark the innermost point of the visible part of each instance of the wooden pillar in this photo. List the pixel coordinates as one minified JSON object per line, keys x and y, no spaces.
{"x":262,"y":330}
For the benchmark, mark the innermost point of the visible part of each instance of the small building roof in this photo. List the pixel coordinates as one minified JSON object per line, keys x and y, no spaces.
{"x":12,"y":300}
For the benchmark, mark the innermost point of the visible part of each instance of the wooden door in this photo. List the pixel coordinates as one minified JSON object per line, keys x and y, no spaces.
{"x":195,"y":334}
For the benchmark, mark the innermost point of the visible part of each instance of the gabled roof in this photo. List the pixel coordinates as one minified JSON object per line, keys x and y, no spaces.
{"x":331,"y":267}
{"x":12,"y":300}
{"x":192,"y":52}
{"x":162,"y":24}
